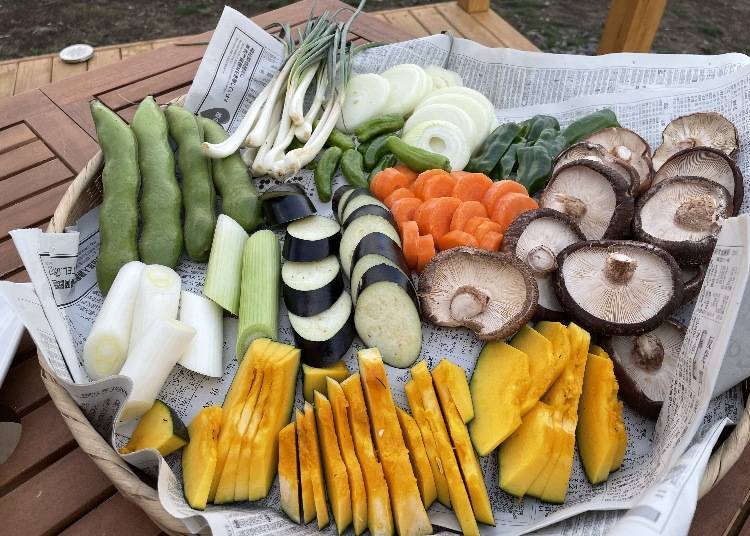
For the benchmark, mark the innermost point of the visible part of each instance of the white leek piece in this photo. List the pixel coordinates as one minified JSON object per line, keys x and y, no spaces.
{"x":224,"y":271}
{"x":259,"y":295}
{"x":203,"y":355}
{"x":158,"y":297}
{"x":150,"y":360}
{"x":106,"y":347}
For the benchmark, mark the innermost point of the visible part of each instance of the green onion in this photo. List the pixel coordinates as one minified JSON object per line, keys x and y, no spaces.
{"x":225,"y":264}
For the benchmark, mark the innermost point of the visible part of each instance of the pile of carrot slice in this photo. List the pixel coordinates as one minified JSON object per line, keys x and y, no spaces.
{"x":437,"y":210}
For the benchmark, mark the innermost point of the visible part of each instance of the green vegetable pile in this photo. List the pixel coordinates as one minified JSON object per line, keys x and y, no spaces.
{"x":526,"y":151}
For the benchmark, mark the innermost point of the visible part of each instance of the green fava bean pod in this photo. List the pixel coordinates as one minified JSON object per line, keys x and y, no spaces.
{"x":121,"y":180}
{"x":239,"y":198}
{"x":198,"y":194}
{"x":376,"y":150}
{"x":161,"y":232}
{"x":493,"y":148}
{"x":588,"y":124}
{"x":351,"y":167}
{"x":384,"y":124}
{"x":324,"y":172}
{"x":415,"y":158}
{"x":387,"y":161}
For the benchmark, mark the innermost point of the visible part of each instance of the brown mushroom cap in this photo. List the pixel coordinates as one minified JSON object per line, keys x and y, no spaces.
{"x":692,"y":278}
{"x":645,"y":365}
{"x":597,"y":153}
{"x":627,"y":147}
{"x":709,"y":163}
{"x":702,"y":129}
{"x":683,"y":215}
{"x":492,"y":294}
{"x":536,"y":237}
{"x":618,"y":287}
{"x":593,"y":195}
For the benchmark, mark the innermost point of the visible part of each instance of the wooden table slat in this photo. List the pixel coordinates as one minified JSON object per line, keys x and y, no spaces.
{"x":505,"y":33}
{"x":434,"y":22}
{"x":466,"y":24}
{"x":32,"y":74}
{"x":8,"y":73}
{"x":31,"y":211}
{"x":23,"y":389}
{"x":14,"y":136}
{"x":35,"y":179}
{"x":406,"y":21}
{"x":104,"y":57}
{"x":62,"y":70}
{"x":115,"y":516}
{"x":23,"y":158}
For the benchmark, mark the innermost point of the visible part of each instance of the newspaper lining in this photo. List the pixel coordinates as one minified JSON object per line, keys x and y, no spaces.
{"x":60,"y":309}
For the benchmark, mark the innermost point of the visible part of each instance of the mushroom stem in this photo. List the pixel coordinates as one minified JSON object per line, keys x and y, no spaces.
{"x":541,"y":259}
{"x":620,"y":268}
{"x":569,"y":205}
{"x":468,"y":302}
{"x":622,"y":152}
{"x":697,"y":213}
{"x":648,"y":352}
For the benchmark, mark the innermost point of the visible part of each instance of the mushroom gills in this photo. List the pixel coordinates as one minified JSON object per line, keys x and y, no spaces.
{"x":702,"y":129}
{"x":683,"y":215}
{"x":593,"y":195}
{"x":692,"y":278}
{"x":597,"y":153}
{"x":645,"y":365}
{"x":618,"y":287}
{"x":492,"y":294}
{"x":627,"y":148}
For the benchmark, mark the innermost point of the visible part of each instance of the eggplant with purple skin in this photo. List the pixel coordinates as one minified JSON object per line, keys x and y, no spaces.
{"x":357,"y":201}
{"x":285,"y":203}
{"x":348,"y":194}
{"x":310,"y":288}
{"x":311,"y":239}
{"x":323,"y":338}
{"x":370,"y":210}
{"x":375,"y":249}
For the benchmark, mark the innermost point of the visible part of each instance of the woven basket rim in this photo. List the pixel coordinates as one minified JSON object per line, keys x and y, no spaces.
{"x":129,"y":484}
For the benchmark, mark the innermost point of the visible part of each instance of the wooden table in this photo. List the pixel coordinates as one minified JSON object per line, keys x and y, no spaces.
{"x":46,"y":135}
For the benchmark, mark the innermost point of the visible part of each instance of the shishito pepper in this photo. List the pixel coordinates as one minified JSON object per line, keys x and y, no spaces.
{"x":493,"y":148}
{"x":588,"y":124}
{"x":387,"y":161}
{"x":324,"y":171}
{"x":534,"y":165}
{"x":351,"y":167}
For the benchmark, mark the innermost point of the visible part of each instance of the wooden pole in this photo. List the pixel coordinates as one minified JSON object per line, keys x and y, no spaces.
{"x":631,"y":25}
{"x":474,"y":6}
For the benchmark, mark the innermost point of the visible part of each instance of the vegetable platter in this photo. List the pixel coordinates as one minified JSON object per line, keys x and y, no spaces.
{"x":360,"y":317}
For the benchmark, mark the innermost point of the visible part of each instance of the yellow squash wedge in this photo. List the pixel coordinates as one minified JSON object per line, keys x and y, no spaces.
{"x":618,"y":425}
{"x":160,"y":428}
{"x":455,"y":381}
{"x":337,"y":481}
{"x":542,"y":363}
{"x":314,"y":379}
{"x":537,"y":487}
{"x":200,"y":455}
{"x":430,"y":446}
{"x":316,"y":467}
{"x":459,"y":497}
{"x":288,"y":472}
{"x":498,"y":388}
{"x":418,"y":457}
{"x":346,"y":445}
{"x":305,"y":469}
{"x":467,"y":459}
{"x":379,"y":515}
{"x":557,"y":334}
{"x":409,"y":514}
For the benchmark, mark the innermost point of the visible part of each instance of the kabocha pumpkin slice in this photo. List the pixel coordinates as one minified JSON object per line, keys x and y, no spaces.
{"x":409,"y":514}
{"x":337,"y":481}
{"x":430,"y":445}
{"x":160,"y":428}
{"x":564,"y":395}
{"x":599,"y":430}
{"x":418,"y":455}
{"x":200,"y":455}
{"x":316,"y":467}
{"x":454,"y":379}
{"x":305,"y":469}
{"x":523,"y":455}
{"x":379,"y":516}
{"x":278,"y":408}
{"x":314,"y":379}
{"x":557,"y":334}
{"x":497,"y":411}
{"x":536,"y":489}
{"x":288,"y":472}
{"x":346,"y":445}
{"x":618,"y":426}
{"x":467,"y":459}
{"x":459,"y":497}
{"x":542,"y":363}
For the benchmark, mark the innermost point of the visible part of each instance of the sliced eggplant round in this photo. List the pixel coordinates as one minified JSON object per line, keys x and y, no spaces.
{"x":339,"y":196}
{"x":355,"y":203}
{"x":349,"y":196}
{"x":310,"y":288}
{"x":323,"y":338}
{"x":311,"y":239}
{"x":380,"y":244}
{"x":285,"y":203}
{"x":370,"y":210}
{"x":387,"y":315}
{"x":358,"y":229}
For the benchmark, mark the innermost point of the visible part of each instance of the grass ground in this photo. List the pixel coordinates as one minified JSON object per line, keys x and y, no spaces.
{"x":33,"y":27}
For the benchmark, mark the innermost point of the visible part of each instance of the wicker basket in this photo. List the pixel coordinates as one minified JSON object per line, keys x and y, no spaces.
{"x":84,"y":194}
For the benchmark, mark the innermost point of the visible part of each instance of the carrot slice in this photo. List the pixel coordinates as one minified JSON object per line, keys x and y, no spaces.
{"x":491,"y":241}
{"x":466,"y":211}
{"x":422,"y":215}
{"x":473,"y":223}
{"x":418,"y":184}
{"x":499,"y":189}
{"x":410,"y":242}
{"x":486,"y":227}
{"x":401,"y":193}
{"x":509,"y":207}
{"x":438,"y":186}
{"x":386,"y":182}
{"x":406,"y":172}
{"x":472,"y":186}
{"x":455,"y":239}
{"x":404,"y":209}
{"x":439,"y":216}
{"x":426,"y":251}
